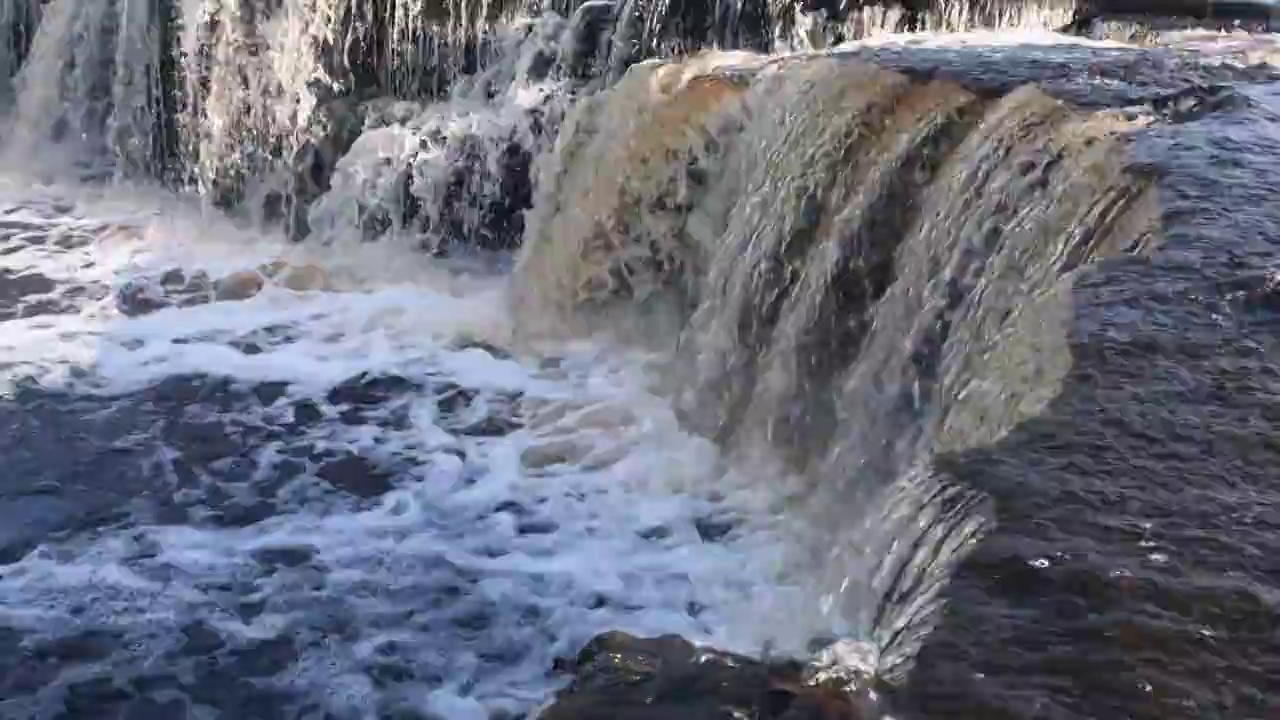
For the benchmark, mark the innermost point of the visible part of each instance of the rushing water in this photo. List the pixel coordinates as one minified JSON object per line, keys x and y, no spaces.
{"x":877,"y":357}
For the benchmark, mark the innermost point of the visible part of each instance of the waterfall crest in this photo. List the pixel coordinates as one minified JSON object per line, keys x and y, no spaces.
{"x":869,"y":269}
{"x":222,"y":96}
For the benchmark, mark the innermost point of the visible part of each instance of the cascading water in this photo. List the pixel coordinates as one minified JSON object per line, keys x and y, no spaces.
{"x":241,"y":82}
{"x":698,"y":345}
{"x":858,"y":241}
{"x":19,"y":19}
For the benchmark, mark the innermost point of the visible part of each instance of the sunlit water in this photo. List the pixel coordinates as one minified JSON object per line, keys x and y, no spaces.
{"x":442,"y":532}
{"x":370,"y":500}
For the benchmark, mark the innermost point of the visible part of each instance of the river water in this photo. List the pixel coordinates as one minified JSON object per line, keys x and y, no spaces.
{"x":403,"y":483}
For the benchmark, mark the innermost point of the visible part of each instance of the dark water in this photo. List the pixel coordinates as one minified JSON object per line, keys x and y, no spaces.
{"x":320,"y":506}
{"x":1133,"y":571}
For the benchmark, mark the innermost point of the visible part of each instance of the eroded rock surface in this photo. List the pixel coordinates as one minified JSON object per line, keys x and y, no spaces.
{"x":621,"y":677}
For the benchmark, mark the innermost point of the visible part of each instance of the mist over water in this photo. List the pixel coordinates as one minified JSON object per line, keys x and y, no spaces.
{"x":361,"y":359}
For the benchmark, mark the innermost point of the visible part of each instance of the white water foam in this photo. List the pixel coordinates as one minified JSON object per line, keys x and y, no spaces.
{"x":1240,"y":48}
{"x":490,"y":556}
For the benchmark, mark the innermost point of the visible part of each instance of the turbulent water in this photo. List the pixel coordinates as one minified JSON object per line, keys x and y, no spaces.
{"x":946,"y":358}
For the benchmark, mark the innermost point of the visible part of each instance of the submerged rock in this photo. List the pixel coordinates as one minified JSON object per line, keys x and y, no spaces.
{"x":621,"y":677}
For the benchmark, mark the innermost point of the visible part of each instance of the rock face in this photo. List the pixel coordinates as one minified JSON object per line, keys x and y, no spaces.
{"x":332,"y":131}
{"x":444,"y":177}
{"x":621,"y":677}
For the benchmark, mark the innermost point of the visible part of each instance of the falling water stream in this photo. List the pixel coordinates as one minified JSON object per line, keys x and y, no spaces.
{"x":360,"y":358}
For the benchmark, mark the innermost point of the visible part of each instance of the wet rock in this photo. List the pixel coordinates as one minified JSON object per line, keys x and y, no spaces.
{"x":303,"y":278}
{"x":713,"y":529}
{"x":452,"y":399}
{"x":356,"y":475}
{"x":173,"y":279}
{"x":1194,"y":102}
{"x":456,"y":191}
{"x":334,"y":128}
{"x":537,"y":526}
{"x":140,"y":298}
{"x":238,"y":286}
{"x":621,"y":677}
{"x":261,"y":339}
{"x":176,"y":288}
{"x":657,"y":532}
{"x":366,"y":389}
{"x":195,"y":289}
{"x":512,"y":507}
{"x":15,"y":287}
{"x":249,"y":610}
{"x":371,"y":400}
{"x":1254,"y":291}
{"x":497,"y":352}
{"x":307,"y":413}
{"x":185,"y":390}
{"x":269,"y":392}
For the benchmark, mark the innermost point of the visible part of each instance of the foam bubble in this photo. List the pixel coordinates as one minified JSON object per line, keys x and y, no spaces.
{"x":488,"y":550}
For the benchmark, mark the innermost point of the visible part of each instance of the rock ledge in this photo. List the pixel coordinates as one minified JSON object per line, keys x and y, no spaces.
{"x":621,"y":677}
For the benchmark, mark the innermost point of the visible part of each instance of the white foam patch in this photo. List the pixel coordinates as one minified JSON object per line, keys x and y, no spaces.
{"x":469,"y":576}
{"x":1228,"y":47}
{"x":1024,"y":40}
{"x":1236,"y":47}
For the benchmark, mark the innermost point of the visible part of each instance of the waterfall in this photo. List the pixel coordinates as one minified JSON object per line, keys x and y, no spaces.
{"x":850,"y":270}
{"x":869,"y":270}
{"x":221,"y":96}
{"x":18,"y":21}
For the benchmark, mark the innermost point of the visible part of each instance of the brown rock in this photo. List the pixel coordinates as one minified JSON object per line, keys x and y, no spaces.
{"x":621,"y":677}
{"x":273,"y":268}
{"x":304,"y":277}
{"x":238,"y":285}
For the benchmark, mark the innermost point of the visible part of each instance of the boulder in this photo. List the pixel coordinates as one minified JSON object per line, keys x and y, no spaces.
{"x":179,"y":288}
{"x":332,"y":130}
{"x":240,"y":285}
{"x":446,"y":179}
{"x":621,"y":677}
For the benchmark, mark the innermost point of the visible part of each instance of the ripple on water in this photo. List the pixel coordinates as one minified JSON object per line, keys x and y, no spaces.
{"x":349,"y":520}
